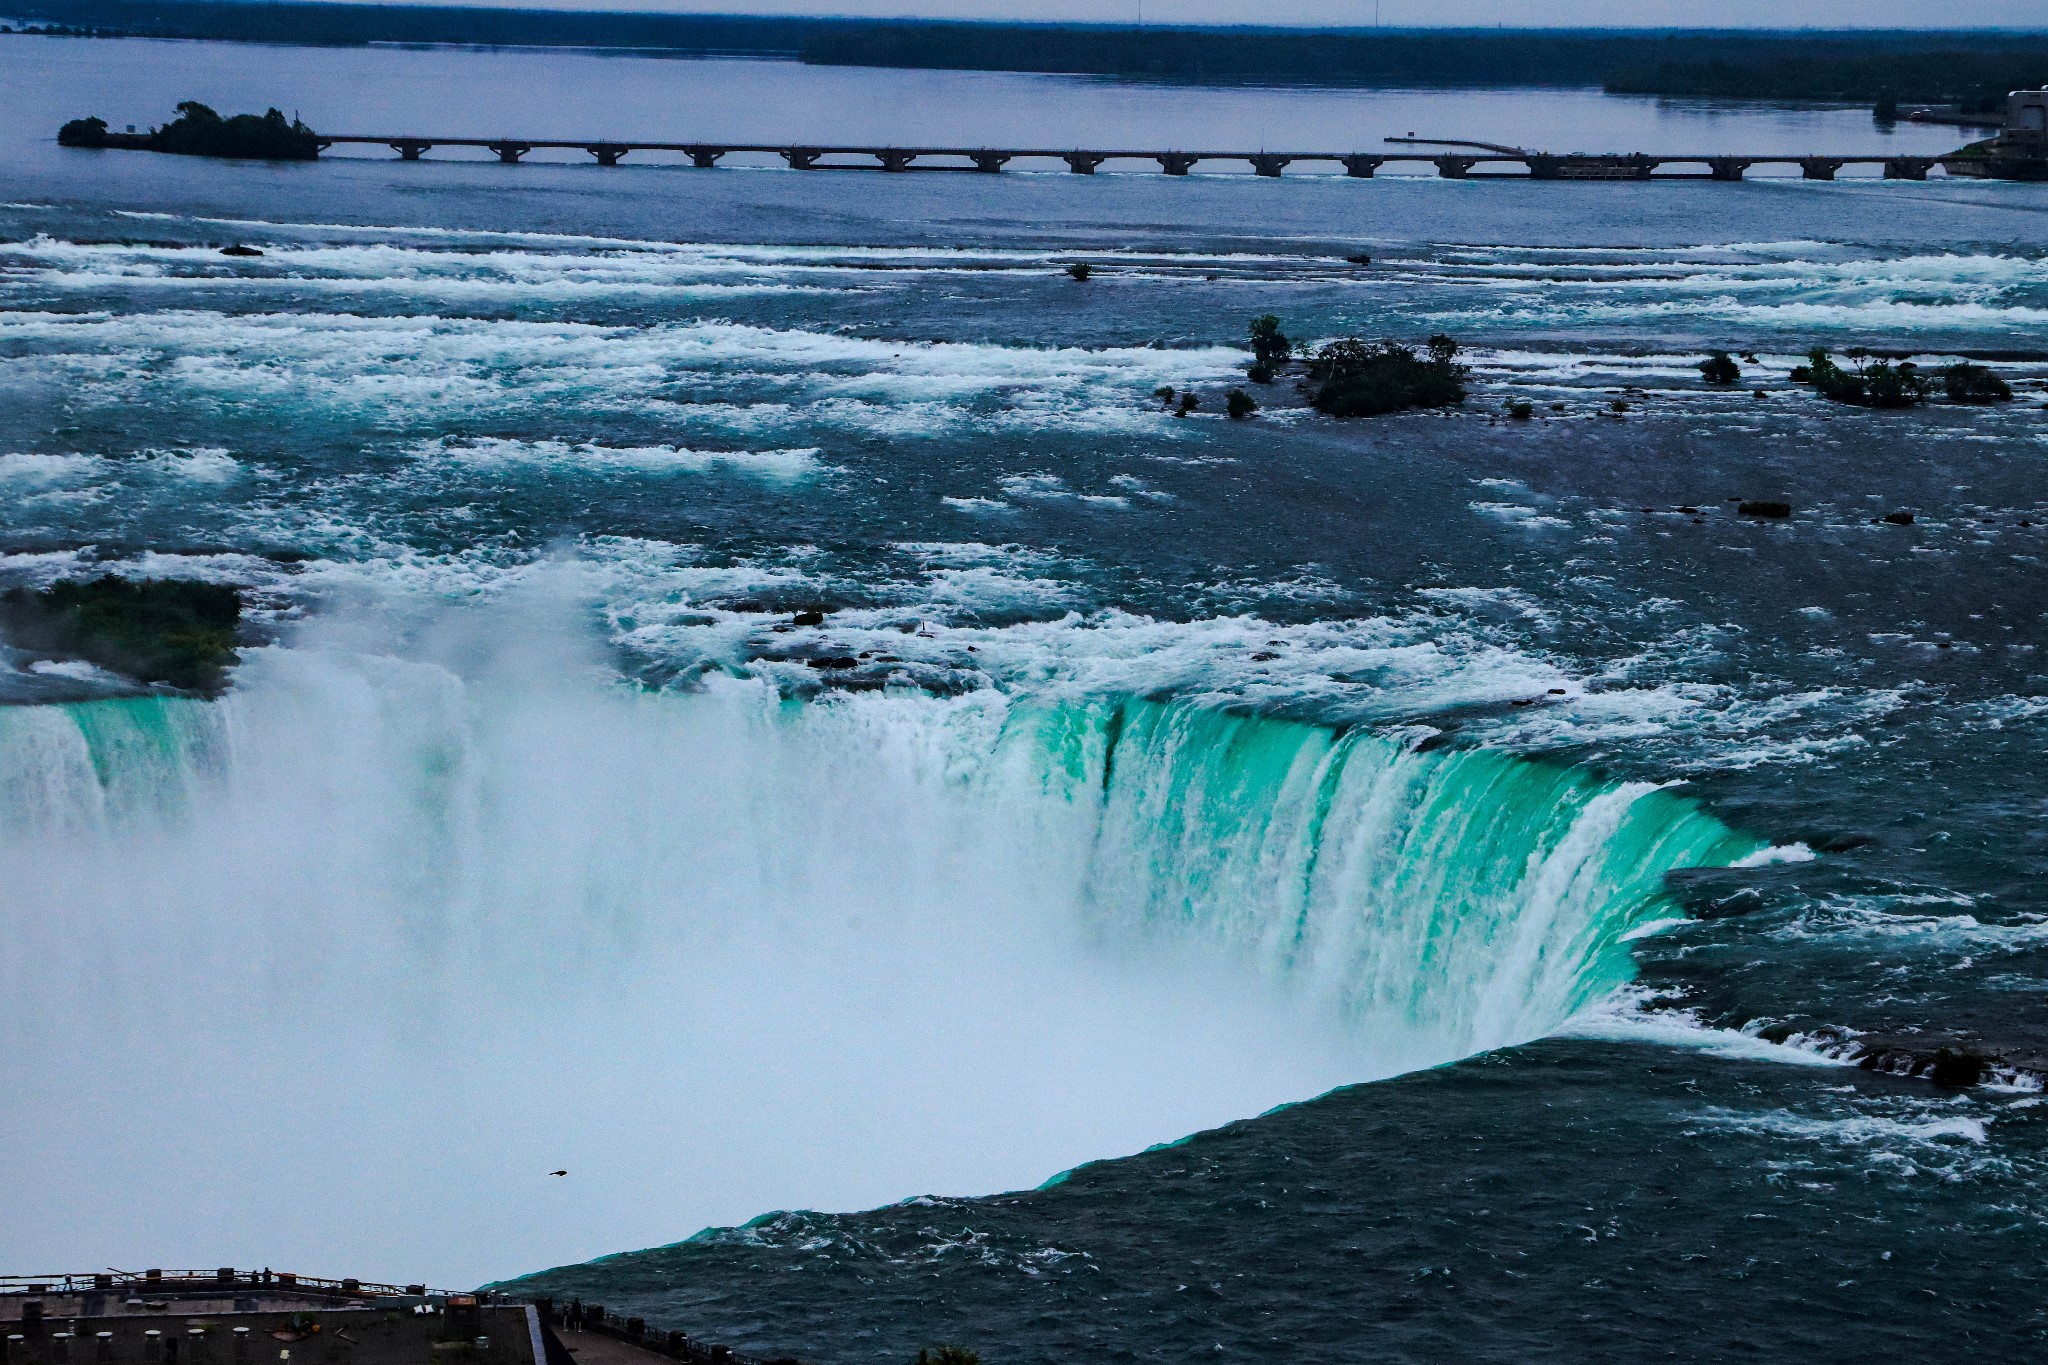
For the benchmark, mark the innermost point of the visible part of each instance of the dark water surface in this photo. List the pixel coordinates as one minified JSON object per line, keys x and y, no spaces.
{"x":1147,"y":774}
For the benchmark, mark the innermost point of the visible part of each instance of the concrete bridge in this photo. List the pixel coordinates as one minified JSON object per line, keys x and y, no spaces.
{"x":1474,"y":162}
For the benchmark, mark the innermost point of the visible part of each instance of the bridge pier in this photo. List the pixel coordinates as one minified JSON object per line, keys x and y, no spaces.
{"x":1176,"y":163}
{"x":894,"y":160}
{"x":408,"y":149}
{"x":1820,"y":167}
{"x":801,"y":158}
{"x":510,"y":152}
{"x":704,"y":158}
{"x":1908,"y":167}
{"x":607,"y":153}
{"x":1083,"y":163}
{"x":1455,"y":167}
{"x":1363,"y":167}
{"x":1268,"y":165}
{"x":989,"y":163}
{"x":1726,"y":167}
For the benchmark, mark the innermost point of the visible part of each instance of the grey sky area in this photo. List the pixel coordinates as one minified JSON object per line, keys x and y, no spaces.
{"x":1919,"y":14}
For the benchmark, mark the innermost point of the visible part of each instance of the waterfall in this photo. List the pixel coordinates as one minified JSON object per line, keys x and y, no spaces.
{"x":393,"y":936}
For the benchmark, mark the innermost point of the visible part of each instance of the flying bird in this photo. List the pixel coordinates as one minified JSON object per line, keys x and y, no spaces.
{"x":558,"y":1173}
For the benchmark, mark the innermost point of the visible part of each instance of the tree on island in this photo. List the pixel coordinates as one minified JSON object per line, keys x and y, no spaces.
{"x":83,"y":132}
{"x":1967,"y":383}
{"x":1720,"y":368}
{"x":1878,"y":385}
{"x":1270,"y":348}
{"x":1354,"y":378}
{"x":199,"y":131}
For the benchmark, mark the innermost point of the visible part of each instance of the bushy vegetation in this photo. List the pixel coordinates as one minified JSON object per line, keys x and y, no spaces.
{"x":1720,"y":368}
{"x":1973,"y":77}
{"x":152,"y":630}
{"x":1973,"y":68}
{"x":199,"y":131}
{"x":1875,"y":384}
{"x":1967,"y":383}
{"x":1239,"y":404}
{"x":83,"y":132}
{"x":1354,"y":378}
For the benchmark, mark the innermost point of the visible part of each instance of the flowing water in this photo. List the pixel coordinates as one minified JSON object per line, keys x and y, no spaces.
{"x":1397,"y":889}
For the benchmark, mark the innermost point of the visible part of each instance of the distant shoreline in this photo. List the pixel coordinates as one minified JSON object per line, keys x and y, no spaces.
{"x":1967,"y":70}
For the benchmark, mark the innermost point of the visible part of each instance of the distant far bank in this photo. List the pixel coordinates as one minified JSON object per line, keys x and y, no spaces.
{"x":1969,"y":69}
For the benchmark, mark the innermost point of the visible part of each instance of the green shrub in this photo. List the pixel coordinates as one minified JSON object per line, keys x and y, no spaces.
{"x":1239,"y":404}
{"x":1881,"y":384}
{"x":1521,"y":410}
{"x":1164,"y":393}
{"x":1967,"y":383}
{"x":1720,"y":368}
{"x":152,"y":630}
{"x":1354,"y":378}
{"x":1080,"y":270}
{"x":1188,"y":402}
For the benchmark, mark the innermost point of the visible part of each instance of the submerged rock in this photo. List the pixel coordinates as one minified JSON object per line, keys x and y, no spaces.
{"x":167,"y":631}
{"x":1764,"y":507}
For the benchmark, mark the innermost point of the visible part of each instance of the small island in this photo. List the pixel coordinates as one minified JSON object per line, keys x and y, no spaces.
{"x":199,"y":131}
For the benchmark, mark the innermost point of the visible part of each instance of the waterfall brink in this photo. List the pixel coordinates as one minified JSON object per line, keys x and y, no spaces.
{"x":390,"y":935}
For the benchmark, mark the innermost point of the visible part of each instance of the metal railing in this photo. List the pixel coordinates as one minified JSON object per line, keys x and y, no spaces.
{"x":222,"y":1279}
{"x":590,"y":1317}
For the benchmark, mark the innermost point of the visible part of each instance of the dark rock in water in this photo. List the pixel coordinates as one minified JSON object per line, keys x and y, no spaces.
{"x":1948,"y":1064}
{"x":811,"y":617}
{"x":1764,"y":507}
{"x":1955,"y":1068}
{"x":153,"y":630}
{"x":835,"y":661}
{"x":1360,"y":259}
{"x":239,"y":250}
{"x":1898,"y":518}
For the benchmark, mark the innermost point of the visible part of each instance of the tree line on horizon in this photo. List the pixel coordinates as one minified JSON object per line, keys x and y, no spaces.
{"x":1974,"y":69}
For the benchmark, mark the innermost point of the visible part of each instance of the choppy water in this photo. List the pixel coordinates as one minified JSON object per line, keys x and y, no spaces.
{"x":1169,"y":769}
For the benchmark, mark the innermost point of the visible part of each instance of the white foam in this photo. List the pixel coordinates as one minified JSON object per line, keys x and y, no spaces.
{"x":775,"y":466}
{"x":1780,"y":853}
{"x":1626,"y":1017}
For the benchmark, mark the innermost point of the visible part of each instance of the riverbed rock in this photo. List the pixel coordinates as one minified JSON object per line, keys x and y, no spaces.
{"x":154,"y":630}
